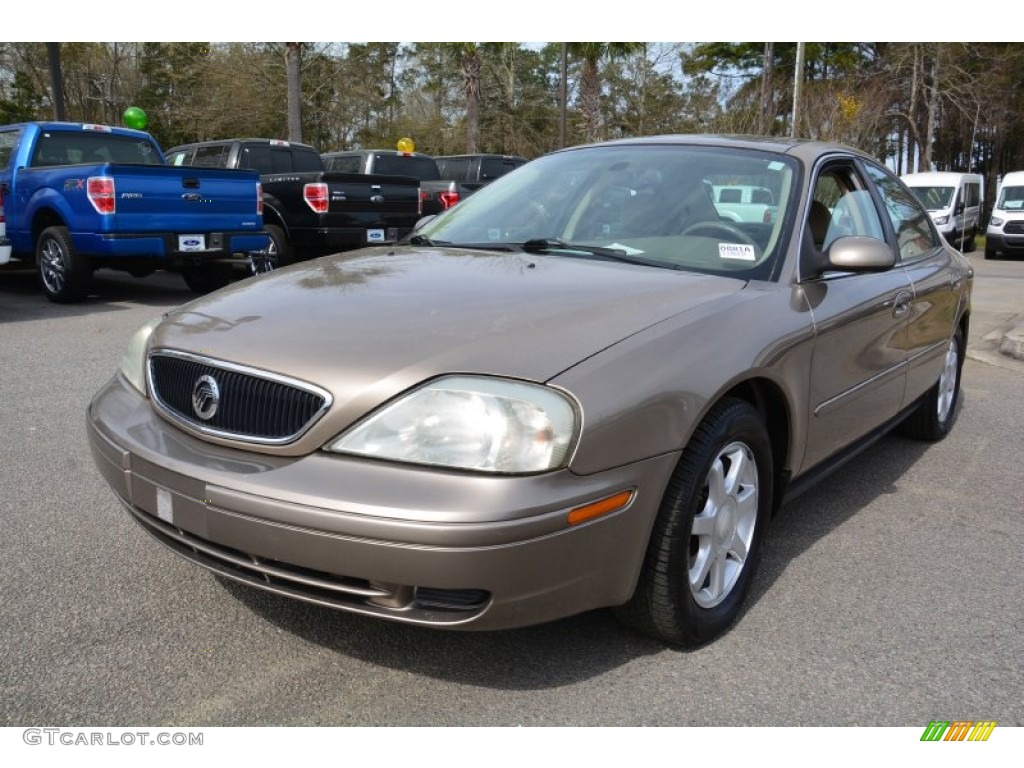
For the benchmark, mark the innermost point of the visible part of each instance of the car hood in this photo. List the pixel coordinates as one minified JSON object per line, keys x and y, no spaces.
{"x":370,"y":324}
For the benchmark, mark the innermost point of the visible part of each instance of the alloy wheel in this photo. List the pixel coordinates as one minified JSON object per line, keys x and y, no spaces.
{"x":723,"y":528}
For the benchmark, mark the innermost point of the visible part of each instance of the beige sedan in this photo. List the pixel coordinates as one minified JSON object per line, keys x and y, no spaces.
{"x":582,"y":387}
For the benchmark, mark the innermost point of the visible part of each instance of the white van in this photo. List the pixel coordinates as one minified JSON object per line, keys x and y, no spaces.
{"x":1005,"y":232}
{"x":954,"y":201}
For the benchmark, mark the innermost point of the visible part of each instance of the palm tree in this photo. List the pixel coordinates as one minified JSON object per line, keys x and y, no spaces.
{"x":592,"y":54}
{"x":293,"y":69}
{"x":471,"y":63}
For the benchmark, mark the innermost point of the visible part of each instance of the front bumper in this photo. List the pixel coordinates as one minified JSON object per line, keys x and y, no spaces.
{"x":410,"y":544}
{"x":997,"y":240}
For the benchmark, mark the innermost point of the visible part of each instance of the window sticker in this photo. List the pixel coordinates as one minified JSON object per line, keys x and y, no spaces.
{"x":625,"y":249}
{"x":736,"y":251}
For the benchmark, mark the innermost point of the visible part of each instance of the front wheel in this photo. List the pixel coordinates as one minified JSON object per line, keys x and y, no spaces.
{"x":63,"y":274}
{"x":934,"y":415}
{"x":706,"y":540}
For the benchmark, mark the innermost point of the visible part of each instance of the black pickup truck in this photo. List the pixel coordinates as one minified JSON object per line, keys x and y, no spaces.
{"x":436,"y":192}
{"x":308,"y":210}
{"x":475,"y":171}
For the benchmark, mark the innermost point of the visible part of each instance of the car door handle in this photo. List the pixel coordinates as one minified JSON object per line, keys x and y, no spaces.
{"x":901,"y":305}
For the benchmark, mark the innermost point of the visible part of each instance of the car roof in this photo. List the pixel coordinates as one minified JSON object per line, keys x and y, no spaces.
{"x":804,"y":149}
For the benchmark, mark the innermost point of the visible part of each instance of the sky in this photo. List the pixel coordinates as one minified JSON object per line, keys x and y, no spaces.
{"x":521,"y":20}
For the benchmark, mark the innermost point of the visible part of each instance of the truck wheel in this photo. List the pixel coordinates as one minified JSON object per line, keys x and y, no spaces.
{"x":63,"y":274}
{"x":204,"y":278}
{"x":277,"y":254}
{"x":969,"y":243}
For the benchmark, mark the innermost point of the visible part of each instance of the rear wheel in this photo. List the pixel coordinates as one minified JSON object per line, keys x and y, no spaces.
{"x":706,"y":540}
{"x":277,"y":254}
{"x":204,"y":278}
{"x":934,"y":415}
{"x":63,"y":274}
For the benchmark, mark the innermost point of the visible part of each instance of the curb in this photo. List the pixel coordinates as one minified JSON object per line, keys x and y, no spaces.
{"x":1012,"y":344}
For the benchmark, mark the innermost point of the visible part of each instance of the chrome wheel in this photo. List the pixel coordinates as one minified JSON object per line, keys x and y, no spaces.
{"x":53,"y":268}
{"x":723,"y":528}
{"x":261,"y":262}
{"x":277,"y":254}
{"x":947,"y":382}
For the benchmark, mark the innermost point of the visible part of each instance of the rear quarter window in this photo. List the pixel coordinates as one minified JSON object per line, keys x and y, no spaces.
{"x":8,"y":141}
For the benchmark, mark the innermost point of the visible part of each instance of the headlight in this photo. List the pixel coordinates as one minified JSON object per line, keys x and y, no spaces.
{"x":470,"y":422}
{"x":133,"y":362}
{"x":995,"y":221}
{"x":942,"y":219}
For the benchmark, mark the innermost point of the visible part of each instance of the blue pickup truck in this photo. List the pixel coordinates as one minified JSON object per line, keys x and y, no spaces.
{"x":79,"y":197}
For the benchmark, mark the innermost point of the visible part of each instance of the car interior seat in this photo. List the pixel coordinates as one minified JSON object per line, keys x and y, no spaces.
{"x":818,"y":221}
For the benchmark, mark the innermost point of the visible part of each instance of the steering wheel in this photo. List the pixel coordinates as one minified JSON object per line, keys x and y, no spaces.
{"x":713,"y":228}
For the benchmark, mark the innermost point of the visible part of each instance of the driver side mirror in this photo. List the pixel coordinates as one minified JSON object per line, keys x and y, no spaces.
{"x":850,"y":254}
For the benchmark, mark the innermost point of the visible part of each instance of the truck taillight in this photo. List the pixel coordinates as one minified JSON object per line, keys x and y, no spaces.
{"x":448,"y":199}
{"x":259,"y":199}
{"x":316,"y":197}
{"x":100,"y":191}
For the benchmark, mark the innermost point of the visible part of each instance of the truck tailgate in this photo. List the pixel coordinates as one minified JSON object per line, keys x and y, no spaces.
{"x":367,"y":196}
{"x":153,"y":198}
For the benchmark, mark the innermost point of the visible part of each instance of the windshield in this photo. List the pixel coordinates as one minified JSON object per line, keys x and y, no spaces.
{"x":934,"y":198}
{"x":649,"y":204}
{"x":1011,"y":199}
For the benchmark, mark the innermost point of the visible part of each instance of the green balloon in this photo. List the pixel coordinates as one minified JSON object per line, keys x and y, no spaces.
{"x":135,"y":118}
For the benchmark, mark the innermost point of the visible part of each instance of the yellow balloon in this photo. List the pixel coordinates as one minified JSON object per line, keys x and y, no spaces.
{"x":406,"y":145}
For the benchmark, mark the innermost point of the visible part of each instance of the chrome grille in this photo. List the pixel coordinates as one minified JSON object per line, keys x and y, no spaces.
{"x":252,"y":405}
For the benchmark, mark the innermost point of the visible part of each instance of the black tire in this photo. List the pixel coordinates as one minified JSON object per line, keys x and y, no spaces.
{"x":990,"y":252}
{"x":933,"y":417}
{"x":278,"y":254}
{"x":63,"y":274}
{"x":204,"y":278}
{"x":688,"y":531}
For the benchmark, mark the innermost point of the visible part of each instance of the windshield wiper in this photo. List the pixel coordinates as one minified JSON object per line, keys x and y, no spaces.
{"x":424,"y":240}
{"x":549,"y":244}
